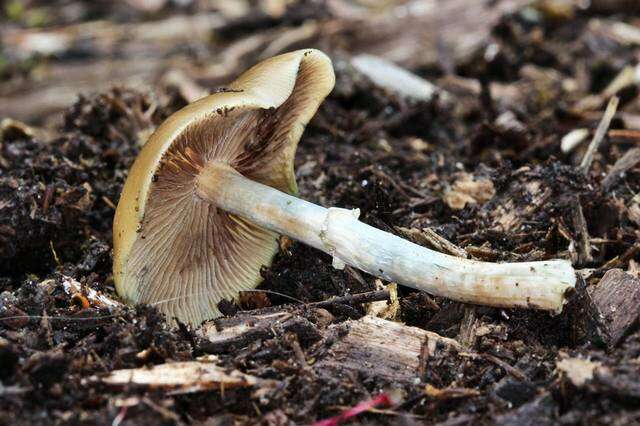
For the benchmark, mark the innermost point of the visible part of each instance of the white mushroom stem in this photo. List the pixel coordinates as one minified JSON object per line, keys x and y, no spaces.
{"x":338,"y":232}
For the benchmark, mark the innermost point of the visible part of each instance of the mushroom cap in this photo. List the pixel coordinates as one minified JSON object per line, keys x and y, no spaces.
{"x":181,"y":253}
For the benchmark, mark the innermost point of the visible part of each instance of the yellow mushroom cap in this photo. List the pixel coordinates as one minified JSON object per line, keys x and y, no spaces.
{"x":173,"y":249}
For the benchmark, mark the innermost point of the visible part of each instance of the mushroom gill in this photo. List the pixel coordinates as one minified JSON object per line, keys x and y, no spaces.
{"x":189,"y":254}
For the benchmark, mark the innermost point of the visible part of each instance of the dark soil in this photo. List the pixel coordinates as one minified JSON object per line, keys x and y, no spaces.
{"x":393,"y":159}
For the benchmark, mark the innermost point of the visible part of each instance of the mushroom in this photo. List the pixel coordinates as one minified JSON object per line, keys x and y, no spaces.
{"x":214,"y":187}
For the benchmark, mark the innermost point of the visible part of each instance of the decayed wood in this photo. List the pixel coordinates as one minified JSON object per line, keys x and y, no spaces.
{"x":386,"y":349}
{"x":370,"y":345}
{"x":613,"y":307}
{"x":248,"y":326}
{"x":225,"y":334}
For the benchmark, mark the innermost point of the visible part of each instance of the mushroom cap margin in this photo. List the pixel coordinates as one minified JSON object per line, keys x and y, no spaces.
{"x":266,"y":85}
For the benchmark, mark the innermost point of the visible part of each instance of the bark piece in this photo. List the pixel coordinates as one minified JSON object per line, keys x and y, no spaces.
{"x":386,"y":349}
{"x":614,"y":307}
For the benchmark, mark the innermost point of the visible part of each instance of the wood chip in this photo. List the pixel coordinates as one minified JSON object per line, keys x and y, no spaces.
{"x":181,"y":377}
{"x":621,"y":32}
{"x":386,"y":349}
{"x":613,"y":310}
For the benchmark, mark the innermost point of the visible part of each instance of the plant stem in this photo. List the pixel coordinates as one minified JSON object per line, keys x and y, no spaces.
{"x":540,"y":285}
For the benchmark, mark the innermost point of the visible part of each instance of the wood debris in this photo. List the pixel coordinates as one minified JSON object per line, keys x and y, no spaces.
{"x":73,"y":287}
{"x":580,"y":225}
{"x":384,"y":348}
{"x":182,"y":377}
{"x":625,"y":163}
{"x":468,"y":189}
{"x":390,"y":309}
{"x":430,"y":238}
{"x":613,"y":309}
{"x":449,"y":393}
{"x":601,"y":132}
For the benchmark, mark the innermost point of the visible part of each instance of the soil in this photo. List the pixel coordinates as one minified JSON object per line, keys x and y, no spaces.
{"x":401,"y":163}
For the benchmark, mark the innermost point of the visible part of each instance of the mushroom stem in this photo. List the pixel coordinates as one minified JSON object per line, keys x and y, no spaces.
{"x":338,"y":232}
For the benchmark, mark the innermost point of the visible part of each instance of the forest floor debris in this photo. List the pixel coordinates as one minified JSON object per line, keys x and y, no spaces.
{"x":519,"y":77}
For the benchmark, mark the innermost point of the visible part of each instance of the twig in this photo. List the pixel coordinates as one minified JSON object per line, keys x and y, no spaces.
{"x":450,"y":393}
{"x":165,"y":413}
{"x":580,"y":225}
{"x":371,"y":296}
{"x":624,"y":163}
{"x":292,"y":339}
{"x":423,"y":360}
{"x":430,"y":238}
{"x":627,"y":135}
{"x":513,"y":371}
{"x":598,"y":137}
{"x":621,"y":260}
